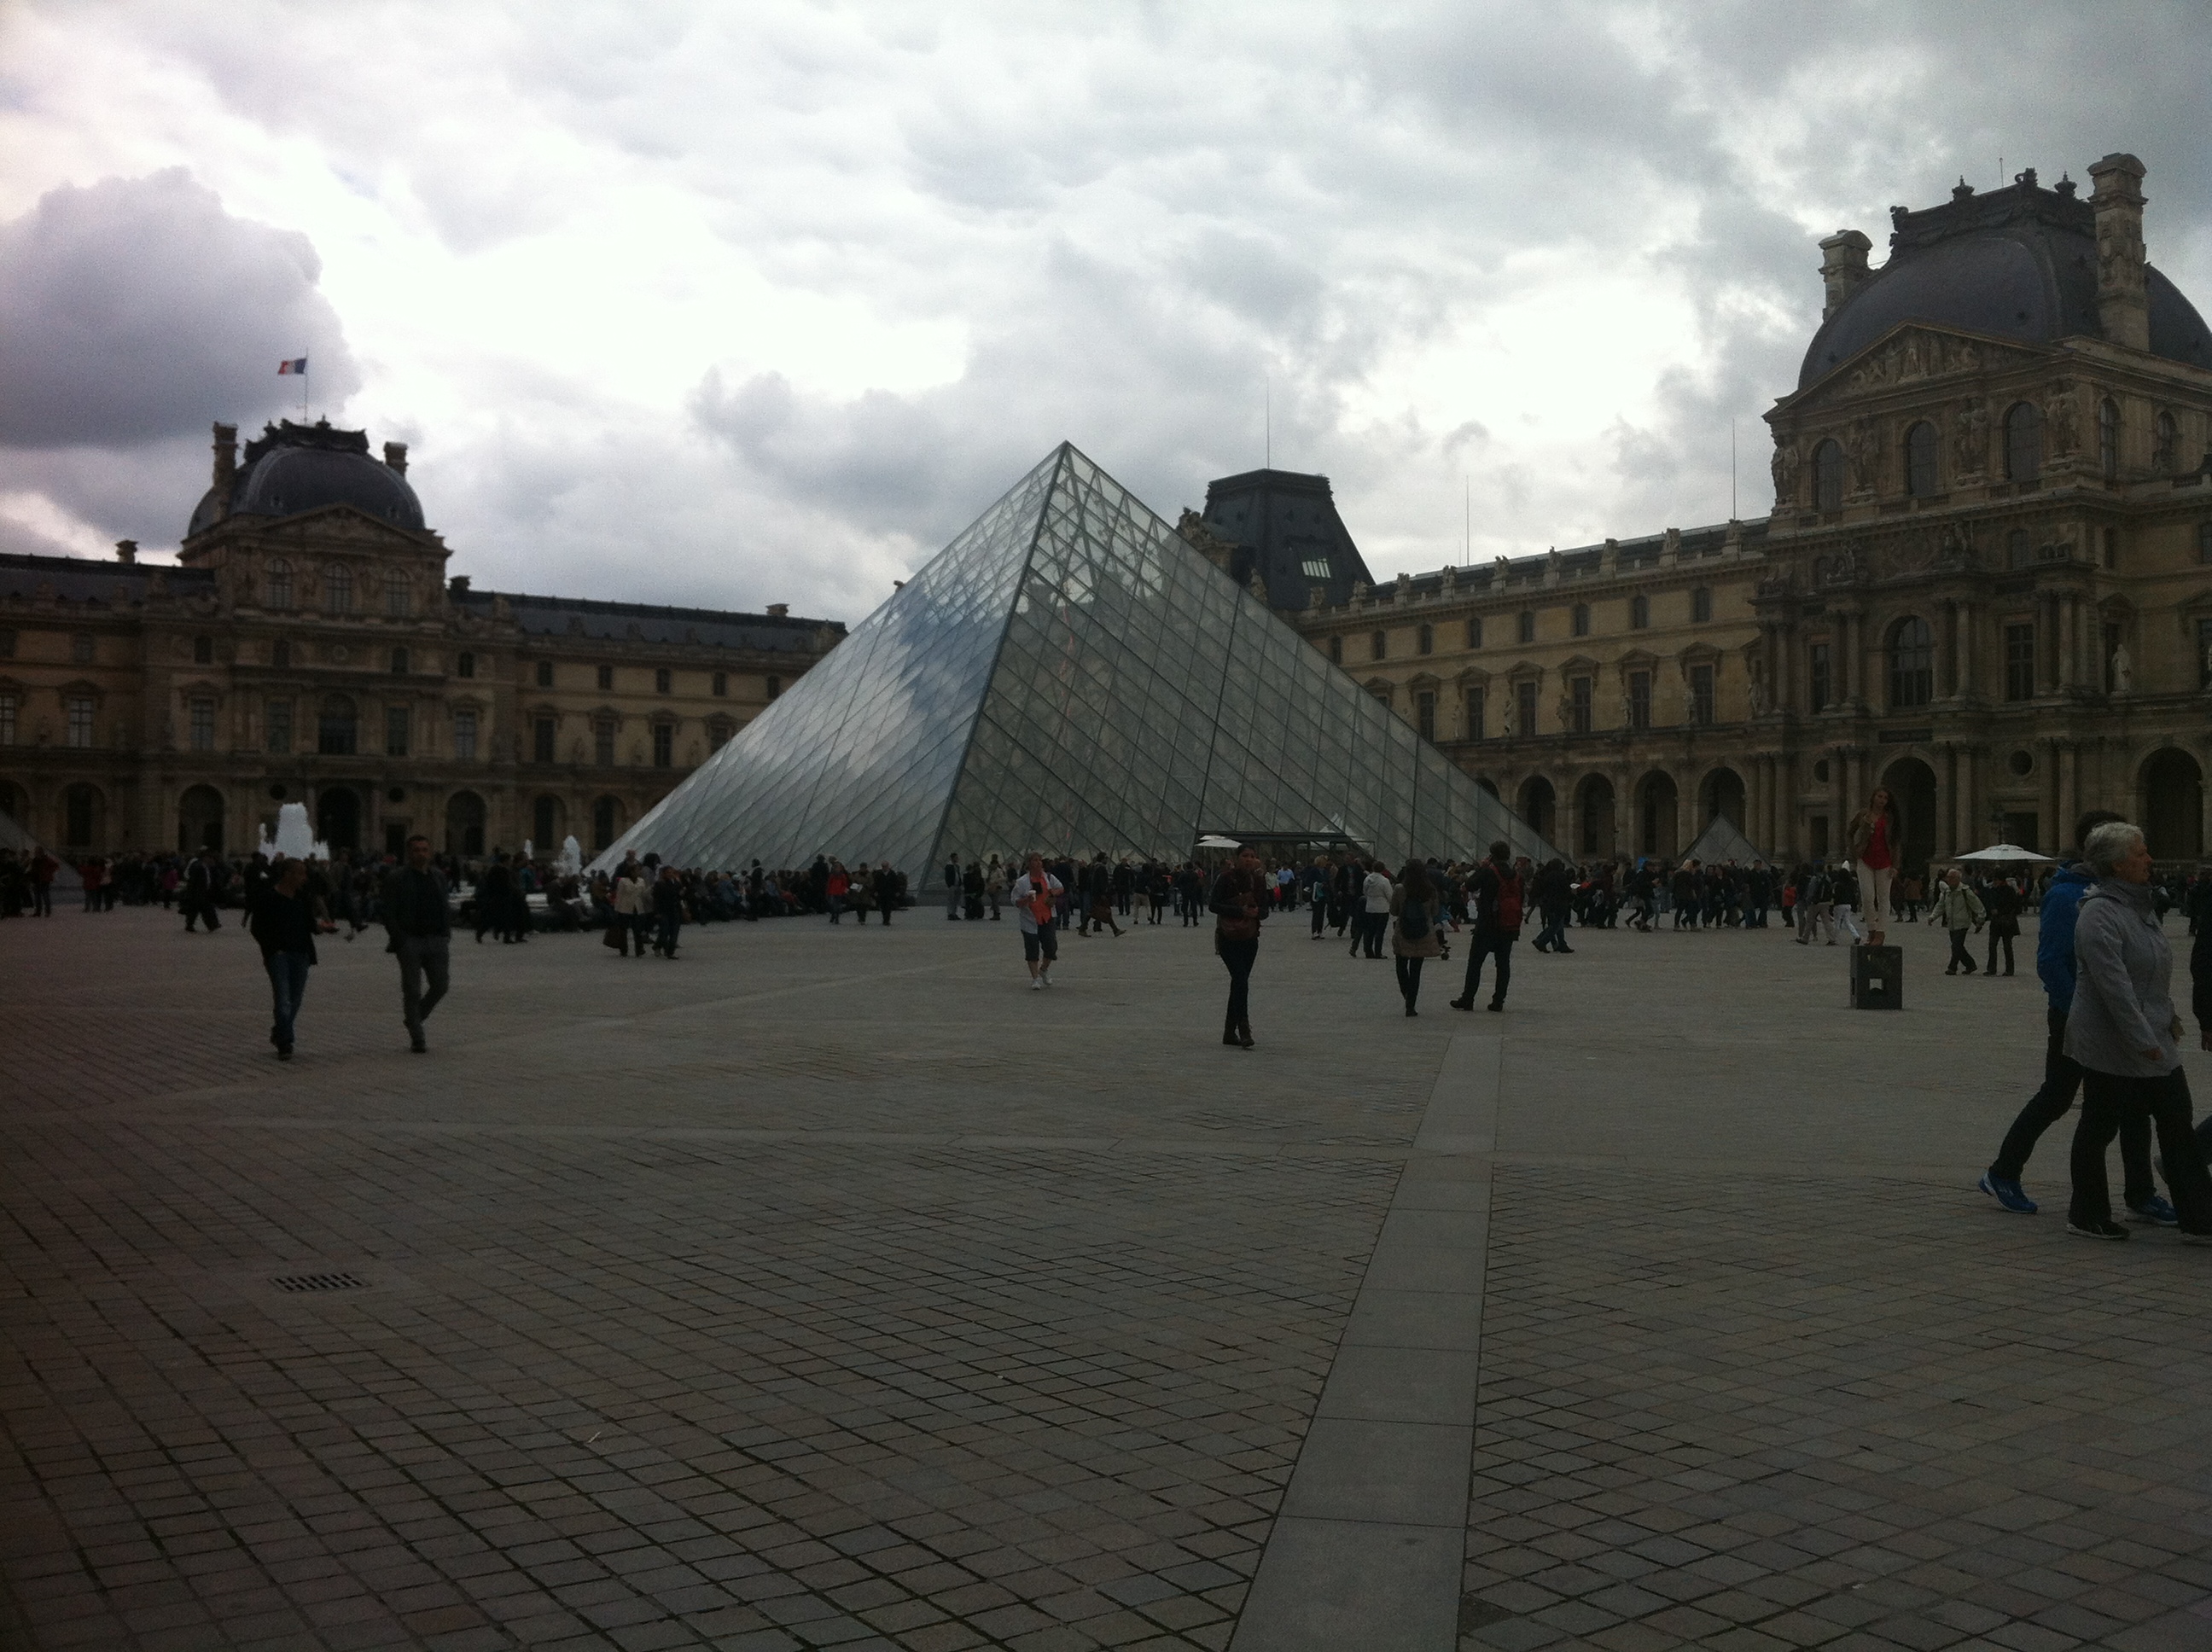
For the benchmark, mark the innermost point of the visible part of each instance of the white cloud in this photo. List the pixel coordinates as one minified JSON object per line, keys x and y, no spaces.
{"x":735,"y":305}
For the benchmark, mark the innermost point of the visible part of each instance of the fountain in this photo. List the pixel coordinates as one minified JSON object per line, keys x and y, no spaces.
{"x":569,"y":863}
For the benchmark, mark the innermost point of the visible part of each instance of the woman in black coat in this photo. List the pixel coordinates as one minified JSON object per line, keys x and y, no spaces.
{"x":2002,"y":901}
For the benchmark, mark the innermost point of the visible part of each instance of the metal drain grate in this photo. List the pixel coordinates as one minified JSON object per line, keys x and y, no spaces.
{"x":319,"y":1281}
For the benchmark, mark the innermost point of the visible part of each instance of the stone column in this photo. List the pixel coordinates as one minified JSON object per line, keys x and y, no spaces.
{"x":1947,"y":650}
{"x":2069,"y":786}
{"x":1969,"y":649}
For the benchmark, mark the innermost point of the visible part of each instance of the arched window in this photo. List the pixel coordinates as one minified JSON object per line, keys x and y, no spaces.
{"x":1378,"y":645}
{"x":1639,"y":612}
{"x":2108,"y":439}
{"x":1911,"y":663}
{"x":396,"y":594}
{"x":1524,"y":625}
{"x":2168,"y":448}
{"x":338,"y":588}
{"x":280,"y":583}
{"x":1582,"y":619}
{"x":2023,"y":429}
{"x":2017,"y":549}
{"x":399,"y":662}
{"x":1920,"y":479}
{"x":1427,"y":640}
{"x":1828,"y":475}
{"x":1475,"y":632}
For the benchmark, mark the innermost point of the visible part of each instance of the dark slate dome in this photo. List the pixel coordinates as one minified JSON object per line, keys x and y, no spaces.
{"x":2017,"y":263}
{"x":290,"y":468}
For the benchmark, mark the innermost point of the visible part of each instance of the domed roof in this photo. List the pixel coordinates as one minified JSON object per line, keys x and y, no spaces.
{"x":2017,"y":263}
{"x":291,"y":468}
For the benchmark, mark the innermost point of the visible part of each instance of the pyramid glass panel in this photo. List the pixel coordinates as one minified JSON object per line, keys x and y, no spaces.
{"x":1068,"y":675}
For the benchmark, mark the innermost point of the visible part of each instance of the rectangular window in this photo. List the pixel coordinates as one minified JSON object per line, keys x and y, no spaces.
{"x":1524,"y":708}
{"x":602,"y":742}
{"x":395,"y":730}
{"x":1579,"y":700}
{"x":664,"y":745}
{"x":7,"y":645}
{"x":1475,"y":632}
{"x":1817,"y":654}
{"x":2203,"y":552}
{"x":81,"y":650}
{"x":1336,"y":650}
{"x":1701,"y":695}
{"x":2019,"y":662}
{"x":544,"y":673}
{"x":721,"y":684}
{"x":1819,"y":827}
{"x":718,"y":736}
{"x":1315,"y":567}
{"x":78,"y":731}
{"x":1474,"y":710}
{"x":1640,"y":700}
{"x":464,"y":737}
{"x":7,"y":720}
{"x":662,"y":679}
{"x":1425,"y":714}
{"x":2204,"y":654}
{"x":279,"y":718}
{"x":1701,"y":606}
{"x":1524,"y":625}
{"x":606,"y":677}
{"x":541,"y":740}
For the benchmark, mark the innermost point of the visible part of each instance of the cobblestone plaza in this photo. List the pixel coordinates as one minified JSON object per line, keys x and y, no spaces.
{"x":828,"y":1289}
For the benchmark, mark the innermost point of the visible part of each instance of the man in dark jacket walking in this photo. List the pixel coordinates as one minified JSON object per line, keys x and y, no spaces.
{"x":1499,"y":897}
{"x":2062,"y":1076}
{"x":414,"y":917}
{"x":200,"y":885}
{"x":668,"y":911}
{"x":282,"y":920}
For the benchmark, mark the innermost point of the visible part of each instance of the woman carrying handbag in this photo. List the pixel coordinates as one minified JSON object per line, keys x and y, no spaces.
{"x":1416,"y":914}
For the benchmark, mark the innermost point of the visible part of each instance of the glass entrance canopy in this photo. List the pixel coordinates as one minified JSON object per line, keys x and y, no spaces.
{"x":1069,"y":675}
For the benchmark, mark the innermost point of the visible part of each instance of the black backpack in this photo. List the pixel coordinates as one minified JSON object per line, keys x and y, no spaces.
{"x":1413,"y":921}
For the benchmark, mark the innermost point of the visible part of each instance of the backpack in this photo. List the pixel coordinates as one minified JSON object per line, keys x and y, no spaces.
{"x":1509,"y":903}
{"x":1413,"y":921}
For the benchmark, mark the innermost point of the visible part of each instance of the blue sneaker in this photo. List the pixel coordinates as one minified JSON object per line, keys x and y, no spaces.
{"x":2156,"y":1212}
{"x":2008,"y":1194}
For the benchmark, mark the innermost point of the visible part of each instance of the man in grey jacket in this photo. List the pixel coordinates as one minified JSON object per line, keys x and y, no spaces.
{"x":2123,"y":1030}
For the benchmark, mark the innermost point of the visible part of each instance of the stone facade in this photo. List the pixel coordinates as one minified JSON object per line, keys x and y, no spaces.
{"x":1986,"y":583}
{"x":325,"y":656}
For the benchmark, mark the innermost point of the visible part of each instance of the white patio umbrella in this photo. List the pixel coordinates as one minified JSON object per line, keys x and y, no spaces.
{"x":1215,"y":840}
{"x":2004,"y":852}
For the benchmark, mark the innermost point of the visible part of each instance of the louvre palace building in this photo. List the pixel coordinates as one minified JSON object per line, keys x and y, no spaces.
{"x":1985,"y":583}
{"x":312,"y":648}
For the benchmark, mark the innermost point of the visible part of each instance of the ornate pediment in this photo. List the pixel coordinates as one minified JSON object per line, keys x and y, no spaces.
{"x":1913,"y":353}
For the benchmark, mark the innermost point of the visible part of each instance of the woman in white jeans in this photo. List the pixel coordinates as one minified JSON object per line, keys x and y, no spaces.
{"x":1871,"y":841}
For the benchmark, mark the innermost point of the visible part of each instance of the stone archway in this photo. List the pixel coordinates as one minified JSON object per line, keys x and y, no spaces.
{"x":1720,"y":796}
{"x":2172,"y":812}
{"x":465,"y":825}
{"x":1657,"y":807}
{"x":1912,"y":787}
{"x":1538,"y":805}
{"x":199,"y":820}
{"x":1594,"y":819}
{"x":338,"y":819}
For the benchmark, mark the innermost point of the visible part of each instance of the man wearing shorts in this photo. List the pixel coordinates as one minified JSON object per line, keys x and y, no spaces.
{"x":1034,"y":893}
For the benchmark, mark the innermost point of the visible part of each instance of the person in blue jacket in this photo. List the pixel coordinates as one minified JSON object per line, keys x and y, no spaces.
{"x":2062,"y":1076}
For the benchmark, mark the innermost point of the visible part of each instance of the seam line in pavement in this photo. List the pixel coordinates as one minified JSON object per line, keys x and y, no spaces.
{"x":1370,"y":1543}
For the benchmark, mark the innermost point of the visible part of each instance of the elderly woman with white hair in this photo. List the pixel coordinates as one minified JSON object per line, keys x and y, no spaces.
{"x":2123,"y":1032}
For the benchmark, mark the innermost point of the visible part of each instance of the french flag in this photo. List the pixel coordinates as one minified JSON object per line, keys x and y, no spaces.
{"x":298,"y":366}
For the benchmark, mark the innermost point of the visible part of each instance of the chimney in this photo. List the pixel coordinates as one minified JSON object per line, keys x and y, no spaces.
{"x":779,"y":610}
{"x":126,"y":551}
{"x":1843,"y":267}
{"x":395,"y":455}
{"x":2123,"y":305}
{"x":226,"y":466}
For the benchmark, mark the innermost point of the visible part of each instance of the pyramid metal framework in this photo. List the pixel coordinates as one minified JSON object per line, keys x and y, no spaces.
{"x":1069,"y":675}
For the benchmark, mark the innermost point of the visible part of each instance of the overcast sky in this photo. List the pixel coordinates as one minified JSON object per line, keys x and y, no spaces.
{"x":732,"y":304}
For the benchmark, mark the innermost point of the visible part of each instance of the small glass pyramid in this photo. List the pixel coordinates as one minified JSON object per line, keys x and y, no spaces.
{"x":1069,"y":676}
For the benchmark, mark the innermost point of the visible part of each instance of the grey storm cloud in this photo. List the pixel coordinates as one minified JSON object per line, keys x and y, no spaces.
{"x":137,"y":309}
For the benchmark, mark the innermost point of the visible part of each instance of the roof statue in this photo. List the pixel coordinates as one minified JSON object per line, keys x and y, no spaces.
{"x":1069,"y":675}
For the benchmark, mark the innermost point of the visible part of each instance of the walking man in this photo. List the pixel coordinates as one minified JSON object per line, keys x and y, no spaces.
{"x":1959,"y":909}
{"x":199,"y":892}
{"x":953,"y":890}
{"x":416,"y":919}
{"x":282,"y":920}
{"x":1241,"y":897}
{"x":1499,"y":897}
{"x":1034,"y":893}
{"x":2062,"y":1076}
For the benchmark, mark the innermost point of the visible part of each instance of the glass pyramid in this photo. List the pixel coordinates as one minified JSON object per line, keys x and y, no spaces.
{"x":1069,"y":676}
